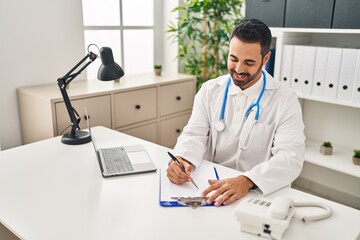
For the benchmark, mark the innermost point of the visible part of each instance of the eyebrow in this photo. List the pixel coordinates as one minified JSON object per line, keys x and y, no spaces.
{"x":245,"y":60}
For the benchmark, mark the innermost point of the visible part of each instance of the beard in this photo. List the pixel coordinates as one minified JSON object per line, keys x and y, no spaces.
{"x":248,"y":79}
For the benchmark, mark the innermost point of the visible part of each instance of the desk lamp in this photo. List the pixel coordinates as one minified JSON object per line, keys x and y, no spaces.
{"x":109,"y":70}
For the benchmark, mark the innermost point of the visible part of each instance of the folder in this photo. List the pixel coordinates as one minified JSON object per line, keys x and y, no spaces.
{"x":356,"y":88}
{"x":269,"y":67}
{"x":347,"y":74}
{"x":286,"y":65}
{"x":170,"y":192}
{"x":307,"y":70}
{"x":332,"y":73}
{"x":320,"y":67}
{"x":297,"y":65}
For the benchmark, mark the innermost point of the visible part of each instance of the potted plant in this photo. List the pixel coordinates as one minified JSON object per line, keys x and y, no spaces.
{"x":157,"y":68}
{"x":202,"y":33}
{"x":356,"y":157}
{"x":326,"y":148}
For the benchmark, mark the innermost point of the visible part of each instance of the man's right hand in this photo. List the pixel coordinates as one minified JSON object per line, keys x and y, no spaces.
{"x":176,"y":175}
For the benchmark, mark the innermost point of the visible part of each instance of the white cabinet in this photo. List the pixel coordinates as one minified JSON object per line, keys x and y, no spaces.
{"x":326,"y":119}
{"x":99,"y":107}
{"x":137,"y":105}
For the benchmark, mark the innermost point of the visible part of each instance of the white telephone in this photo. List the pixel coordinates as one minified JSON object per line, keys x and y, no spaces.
{"x":270,"y":219}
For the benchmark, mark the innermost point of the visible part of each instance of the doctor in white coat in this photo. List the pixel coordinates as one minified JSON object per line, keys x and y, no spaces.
{"x":245,"y":120}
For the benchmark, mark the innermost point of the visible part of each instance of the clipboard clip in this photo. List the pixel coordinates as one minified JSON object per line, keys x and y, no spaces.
{"x":193,"y":202}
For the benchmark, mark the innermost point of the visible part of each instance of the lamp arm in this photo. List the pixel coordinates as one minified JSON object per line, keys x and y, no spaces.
{"x":68,"y":77}
{"x":64,"y":81}
{"x":69,"y":107}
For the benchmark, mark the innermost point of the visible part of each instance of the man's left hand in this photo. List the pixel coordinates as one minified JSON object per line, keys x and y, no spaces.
{"x":228,"y":190}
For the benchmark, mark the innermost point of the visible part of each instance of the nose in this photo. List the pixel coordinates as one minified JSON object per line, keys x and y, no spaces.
{"x":239,"y":67}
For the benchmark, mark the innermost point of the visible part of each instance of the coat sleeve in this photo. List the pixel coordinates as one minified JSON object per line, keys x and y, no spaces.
{"x":193,"y":142}
{"x":286,"y":152}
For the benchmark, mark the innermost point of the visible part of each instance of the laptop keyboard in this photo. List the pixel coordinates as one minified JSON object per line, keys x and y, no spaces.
{"x":116,"y":160}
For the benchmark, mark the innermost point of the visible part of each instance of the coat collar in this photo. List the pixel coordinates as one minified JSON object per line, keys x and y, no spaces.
{"x":254,"y":90}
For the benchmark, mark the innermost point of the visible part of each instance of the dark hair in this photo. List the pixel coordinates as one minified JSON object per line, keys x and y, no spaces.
{"x":253,"y":31}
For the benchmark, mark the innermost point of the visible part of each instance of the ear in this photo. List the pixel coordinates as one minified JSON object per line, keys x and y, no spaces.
{"x":266,"y":58}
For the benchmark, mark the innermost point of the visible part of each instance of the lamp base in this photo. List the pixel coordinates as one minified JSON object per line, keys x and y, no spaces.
{"x":80,"y":137}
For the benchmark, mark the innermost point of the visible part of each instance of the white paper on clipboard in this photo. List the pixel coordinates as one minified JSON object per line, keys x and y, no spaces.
{"x":200,"y":176}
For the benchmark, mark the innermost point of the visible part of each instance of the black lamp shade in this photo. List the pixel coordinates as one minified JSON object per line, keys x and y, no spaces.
{"x":109,"y":70}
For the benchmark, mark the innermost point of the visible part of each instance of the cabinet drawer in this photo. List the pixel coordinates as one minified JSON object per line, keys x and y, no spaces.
{"x":135,"y":106}
{"x":170,"y":129}
{"x":147,"y":132}
{"x":98,"y":109}
{"x":176,"y":97}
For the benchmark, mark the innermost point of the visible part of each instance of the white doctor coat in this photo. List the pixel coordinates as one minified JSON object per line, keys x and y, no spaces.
{"x":275,"y":153}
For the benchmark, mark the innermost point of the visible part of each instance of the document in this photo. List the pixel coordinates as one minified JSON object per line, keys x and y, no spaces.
{"x":201,"y":175}
{"x":356,"y":88}
{"x":320,"y":71}
{"x":286,"y":65}
{"x":332,"y":73}
{"x":347,"y":74}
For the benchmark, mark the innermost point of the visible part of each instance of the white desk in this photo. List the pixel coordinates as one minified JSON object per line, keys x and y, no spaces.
{"x":49,"y":190}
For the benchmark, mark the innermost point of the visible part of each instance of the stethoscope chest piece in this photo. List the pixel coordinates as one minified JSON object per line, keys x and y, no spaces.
{"x":220,"y":126}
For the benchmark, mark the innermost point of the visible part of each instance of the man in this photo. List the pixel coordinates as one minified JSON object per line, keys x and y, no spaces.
{"x":221,"y":129}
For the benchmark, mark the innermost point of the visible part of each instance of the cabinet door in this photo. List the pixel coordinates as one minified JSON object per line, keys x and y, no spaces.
{"x":98,"y":108}
{"x":170,"y":129}
{"x":147,"y":132}
{"x":135,"y":106}
{"x":176,"y":97}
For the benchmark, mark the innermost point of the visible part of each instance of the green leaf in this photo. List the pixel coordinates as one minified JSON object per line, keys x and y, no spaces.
{"x":221,"y":16}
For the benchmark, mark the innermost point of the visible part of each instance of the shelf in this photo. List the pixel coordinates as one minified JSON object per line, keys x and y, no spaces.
{"x":314,"y":30}
{"x":340,"y":160}
{"x":326,"y":100}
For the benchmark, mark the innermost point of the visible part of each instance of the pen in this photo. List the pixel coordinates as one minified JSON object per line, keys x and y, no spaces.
{"x":216,"y":174}
{"x":181,"y":167}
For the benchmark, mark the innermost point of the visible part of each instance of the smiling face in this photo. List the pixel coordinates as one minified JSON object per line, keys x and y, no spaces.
{"x":245,"y":62}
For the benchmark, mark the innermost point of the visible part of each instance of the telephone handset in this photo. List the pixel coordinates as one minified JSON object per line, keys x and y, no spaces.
{"x":280,"y":208}
{"x":270,"y":219}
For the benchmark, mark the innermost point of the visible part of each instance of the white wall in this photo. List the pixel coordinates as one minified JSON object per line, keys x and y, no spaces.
{"x":40,"y":40}
{"x":170,"y":47}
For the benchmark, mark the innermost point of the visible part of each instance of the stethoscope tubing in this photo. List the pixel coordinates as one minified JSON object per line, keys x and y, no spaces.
{"x":256,"y":104}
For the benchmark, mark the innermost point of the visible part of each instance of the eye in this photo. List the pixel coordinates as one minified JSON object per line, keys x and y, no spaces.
{"x":249,"y":63}
{"x":233,"y":59}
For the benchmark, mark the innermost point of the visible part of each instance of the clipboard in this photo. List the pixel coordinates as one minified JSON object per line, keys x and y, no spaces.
{"x":173,"y":195}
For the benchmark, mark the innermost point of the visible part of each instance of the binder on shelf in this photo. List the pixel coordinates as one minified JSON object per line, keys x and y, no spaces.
{"x":297,"y":65}
{"x":347,"y":74}
{"x":286,"y":65}
{"x":356,"y":87}
{"x":320,"y":71}
{"x":332,"y":73}
{"x":307,"y":70}
{"x":269,"y":67}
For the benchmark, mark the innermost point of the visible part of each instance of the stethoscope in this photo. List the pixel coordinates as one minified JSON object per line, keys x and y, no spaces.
{"x":220,"y":124}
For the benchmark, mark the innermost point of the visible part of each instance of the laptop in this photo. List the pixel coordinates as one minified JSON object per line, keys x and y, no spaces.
{"x":124,"y":160}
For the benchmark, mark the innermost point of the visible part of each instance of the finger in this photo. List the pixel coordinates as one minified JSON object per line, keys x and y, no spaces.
{"x":232,"y":199}
{"x":215,"y":190}
{"x":175,"y":172}
{"x":179,"y":171}
{"x":225,"y":198}
{"x":215,"y":195}
{"x":211,"y":188}
{"x":173,"y":177}
{"x":187,"y":167}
